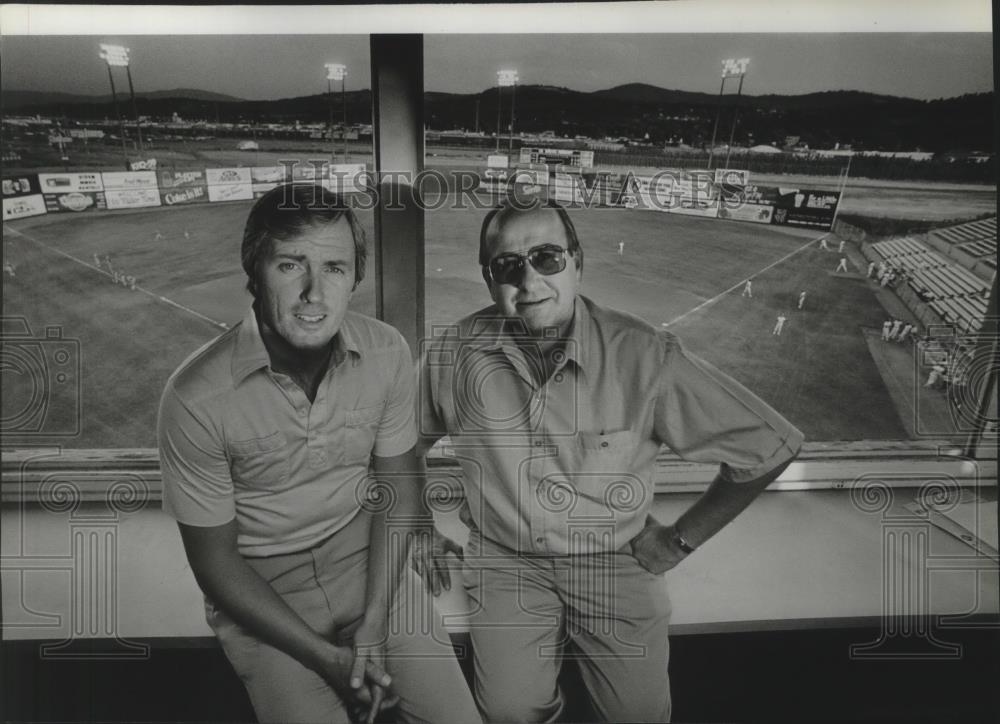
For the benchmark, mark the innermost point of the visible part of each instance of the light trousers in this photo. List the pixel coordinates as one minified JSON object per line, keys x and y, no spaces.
{"x":531,"y":612}
{"x":326,"y":587}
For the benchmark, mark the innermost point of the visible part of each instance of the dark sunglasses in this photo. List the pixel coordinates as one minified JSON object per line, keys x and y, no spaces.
{"x":546,"y":259}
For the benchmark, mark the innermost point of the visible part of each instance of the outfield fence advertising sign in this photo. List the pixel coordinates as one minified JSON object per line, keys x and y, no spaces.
{"x":229,"y":184}
{"x":129,"y":180}
{"x":184,"y":195}
{"x":750,"y":212}
{"x":22,"y":197}
{"x":75,"y":201}
{"x":530,"y":177}
{"x":674,"y":191}
{"x":308,"y":171}
{"x":593,"y":189}
{"x":748,"y":203}
{"x":226,"y":176}
{"x":751,"y":194}
{"x":21,"y":185}
{"x":557,"y":157}
{"x":346,"y":178}
{"x":800,"y":207}
{"x":132,"y":198}
{"x":266,"y":178}
{"x":65,"y":183}
{"x":493,"y":178}
{"x":268,"y":174}
{"x":563,"y":187}
{"x":148,"y":165}
{"x":20,"y":207}
{"x":230,"y":192}
{"x":732,"y":176}
{"x":694,"y":190}
{"x":540,"y":168}
{"x":708,"y":210}
{"x":495,"y":160}
{"x":602,"y":188}
{"x":86,"y":133}
{"x":181,"y":179}
{"x":183,"y":187}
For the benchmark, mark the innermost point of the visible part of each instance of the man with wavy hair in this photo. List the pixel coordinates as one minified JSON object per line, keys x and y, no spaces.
{"x":270,"y":439}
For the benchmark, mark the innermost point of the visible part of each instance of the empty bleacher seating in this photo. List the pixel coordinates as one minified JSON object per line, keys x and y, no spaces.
{"x":982,"y":247}
{"x":985,"y":229}
{"x":953,"y":292}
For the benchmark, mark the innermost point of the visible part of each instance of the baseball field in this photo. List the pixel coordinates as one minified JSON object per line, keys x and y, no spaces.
{"x":681,"y":273}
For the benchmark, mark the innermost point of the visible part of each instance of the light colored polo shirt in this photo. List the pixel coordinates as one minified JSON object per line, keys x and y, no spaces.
{"x":567,"y":467}
{"x":240,"y":440}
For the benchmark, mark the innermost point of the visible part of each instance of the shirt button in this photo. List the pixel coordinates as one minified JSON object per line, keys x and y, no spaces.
{"x":539,"y":540}
{"x":302,"y":413}
{"x":538,"y":443}
{"x":559,"y":377}
{"x":604,"y":444}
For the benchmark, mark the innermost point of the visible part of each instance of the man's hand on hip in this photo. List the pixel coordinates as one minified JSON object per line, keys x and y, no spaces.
{"x":655,"y":547}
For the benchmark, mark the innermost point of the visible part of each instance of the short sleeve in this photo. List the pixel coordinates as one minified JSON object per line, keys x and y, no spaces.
{"x":197,"y":485}
{"x":704,"y":415}
{"x":431,"y":424}
{"x":397,"y":429}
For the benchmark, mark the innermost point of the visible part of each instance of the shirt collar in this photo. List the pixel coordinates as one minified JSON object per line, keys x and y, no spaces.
{"x":250,"y":354}
{"x":496,"y":331}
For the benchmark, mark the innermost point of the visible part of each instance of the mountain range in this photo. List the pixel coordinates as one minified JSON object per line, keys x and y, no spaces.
{"x":634,"y":110}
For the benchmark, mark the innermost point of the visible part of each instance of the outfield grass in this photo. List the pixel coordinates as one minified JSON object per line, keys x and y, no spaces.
{"x":819,"y":373}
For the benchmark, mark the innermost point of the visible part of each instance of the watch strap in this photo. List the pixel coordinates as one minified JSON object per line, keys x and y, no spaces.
{"x":681,"y":543}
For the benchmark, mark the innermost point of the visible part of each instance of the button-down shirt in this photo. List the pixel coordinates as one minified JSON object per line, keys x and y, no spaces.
{"x":567,"y":466}
{"x":238,"y":439}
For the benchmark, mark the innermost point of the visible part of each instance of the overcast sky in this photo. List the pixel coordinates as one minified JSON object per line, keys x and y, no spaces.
{"x":918,"y":60}
{"x":917,"y":65}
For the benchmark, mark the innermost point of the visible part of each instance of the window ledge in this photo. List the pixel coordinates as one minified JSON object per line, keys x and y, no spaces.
{"x":41,"y":474}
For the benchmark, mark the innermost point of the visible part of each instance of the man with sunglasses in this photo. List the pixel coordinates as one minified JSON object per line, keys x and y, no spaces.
{"x":556,"y":409}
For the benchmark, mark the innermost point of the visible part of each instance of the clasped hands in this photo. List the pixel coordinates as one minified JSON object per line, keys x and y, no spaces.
{"x":358,"y":674}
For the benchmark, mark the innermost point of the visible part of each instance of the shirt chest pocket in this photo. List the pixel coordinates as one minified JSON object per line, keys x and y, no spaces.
{"x":607,"y":453}
{"x":260,"y":461}
{"x":359,"y":434}
{"x":603,"y":480}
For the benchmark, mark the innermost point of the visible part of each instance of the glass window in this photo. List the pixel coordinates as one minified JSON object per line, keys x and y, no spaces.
{"x":129,"y":272}
{"x":744,"y":267}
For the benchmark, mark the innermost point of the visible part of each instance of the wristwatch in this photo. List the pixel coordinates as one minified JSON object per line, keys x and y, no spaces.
{"x":679,"y":541}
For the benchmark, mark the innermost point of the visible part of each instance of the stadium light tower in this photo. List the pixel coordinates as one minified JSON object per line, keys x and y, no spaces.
{"x":337,"y":71}
{"x":731,"y":68}
{"x":116,"y":55}
{"x":740,"y":66}
{"x":505,"y":79}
